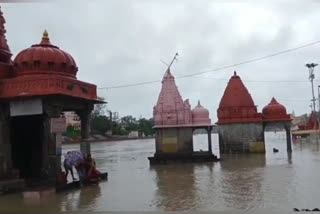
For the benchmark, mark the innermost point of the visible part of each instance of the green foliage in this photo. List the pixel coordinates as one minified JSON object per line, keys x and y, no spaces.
{"x":145,"y":127}
{"x":117,"y":129}
{"x":100,"y":123}
{"x":71,"y":132}
{"x":129,"y":123}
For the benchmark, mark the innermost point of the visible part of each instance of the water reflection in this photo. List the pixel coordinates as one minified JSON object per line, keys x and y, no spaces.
{"x":176,"y":187}
{"x":289,"y":157}
{"x":241,"y":180}
{"x":88,"y":196}
{"x":83,"y":199}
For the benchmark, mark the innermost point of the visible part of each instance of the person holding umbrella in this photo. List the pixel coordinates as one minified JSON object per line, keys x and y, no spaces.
{"x":74,"y":159}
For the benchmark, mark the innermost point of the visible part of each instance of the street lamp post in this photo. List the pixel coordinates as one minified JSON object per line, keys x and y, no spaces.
{"x":319,"y":98}
{"x":311,"y":67}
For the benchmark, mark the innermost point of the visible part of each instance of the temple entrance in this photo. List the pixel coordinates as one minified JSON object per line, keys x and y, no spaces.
{"x":200,"y":140}
{"x":276,"y":132}
{"x":26,"y":138}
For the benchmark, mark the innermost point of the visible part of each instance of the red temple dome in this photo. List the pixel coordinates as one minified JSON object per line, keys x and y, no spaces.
{"x":200,"y":115}
{"x":45,"y":58}
{"x":236,"y":104}
{"x":275,"y":111}
{"x":236,"y":94}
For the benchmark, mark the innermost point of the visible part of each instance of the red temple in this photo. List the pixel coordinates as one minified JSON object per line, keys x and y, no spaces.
{"x":241,"y":126}
{"x":275,"y":112}
{"x":312,"y":123}
{"x":35,"y":89}
{"x":42,"y":69}
{"x":236,"y":104}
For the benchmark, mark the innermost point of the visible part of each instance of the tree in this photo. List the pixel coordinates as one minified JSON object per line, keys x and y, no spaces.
{"x":100,"y":123}
{"x":71,"y":132}
{"x":145,"y":126}
{"x":129,"y":123}
{"x":99,"y":109}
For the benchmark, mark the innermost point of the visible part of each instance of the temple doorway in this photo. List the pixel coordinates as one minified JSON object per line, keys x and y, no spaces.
{"x":200,"y":140}
{"x":27,"y":145}
{"x":277,"y":136}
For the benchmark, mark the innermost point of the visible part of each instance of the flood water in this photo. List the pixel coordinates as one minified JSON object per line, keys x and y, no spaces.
{"x":246,"y":182}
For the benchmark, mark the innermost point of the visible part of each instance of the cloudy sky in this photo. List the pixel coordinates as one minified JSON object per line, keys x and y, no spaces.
{"x":122,"y":42}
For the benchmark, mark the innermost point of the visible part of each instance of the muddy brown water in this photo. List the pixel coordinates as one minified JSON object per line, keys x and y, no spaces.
{"x":245,"y":182}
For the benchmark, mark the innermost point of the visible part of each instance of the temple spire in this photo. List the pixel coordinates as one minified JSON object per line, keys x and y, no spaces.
{"x":169,"y":66}
{"x":4,"y":48}
{"x":45,"y":38}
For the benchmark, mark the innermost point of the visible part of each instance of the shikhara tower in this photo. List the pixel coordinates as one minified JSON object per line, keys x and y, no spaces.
{"x":174,"y":124}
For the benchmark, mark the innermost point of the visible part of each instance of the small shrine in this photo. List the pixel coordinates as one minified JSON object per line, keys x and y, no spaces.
{"x":241,"y":127}
{"x":275,"y":115}
{"x":308,"y":130}
{"x":174,"y":125}
{"x":35,"y":89}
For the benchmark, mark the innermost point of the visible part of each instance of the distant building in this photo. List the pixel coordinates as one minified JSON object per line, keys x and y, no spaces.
{"x":299,"y":120}
{"x":72,"y":119}
{"x":133,"y":134}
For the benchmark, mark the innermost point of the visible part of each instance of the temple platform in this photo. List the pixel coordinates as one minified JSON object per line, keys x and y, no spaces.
{"x":11,"y":185}
{"x":194,"y":157}
{"x":77,"y":184}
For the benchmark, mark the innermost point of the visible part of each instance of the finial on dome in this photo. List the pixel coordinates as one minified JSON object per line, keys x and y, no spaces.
{"x":45,"y":34}
{"x":45,"y":38}
{"x":273,"y":101}
{"x":199,"y":103}
{"x":235,"y":73}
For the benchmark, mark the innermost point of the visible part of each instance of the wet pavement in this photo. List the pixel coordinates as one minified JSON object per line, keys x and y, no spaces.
{"x":246,"y":182}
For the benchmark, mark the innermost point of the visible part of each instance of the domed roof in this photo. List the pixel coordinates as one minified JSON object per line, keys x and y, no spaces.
{"x":200,"y":115}
{"x":236,"y":94}
{"x":45,"y":58}
{"x":275,"y":111}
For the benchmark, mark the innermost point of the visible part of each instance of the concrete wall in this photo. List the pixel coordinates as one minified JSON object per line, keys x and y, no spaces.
{"x":241,"y":138}
{"x":174,"y":140}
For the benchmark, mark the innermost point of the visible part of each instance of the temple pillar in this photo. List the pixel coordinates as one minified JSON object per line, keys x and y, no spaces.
{"x":209,"y":139}
{"x":85,"y":116}
{"x":288,"y":136}
{"x":5,"y":146}
{"x":50,"y":157}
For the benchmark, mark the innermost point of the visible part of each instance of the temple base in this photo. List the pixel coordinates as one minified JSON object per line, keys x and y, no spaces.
{"x":12,"y":185}
{"x":194,"y":157}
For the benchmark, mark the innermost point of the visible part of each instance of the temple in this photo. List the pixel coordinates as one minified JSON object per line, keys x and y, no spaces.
{"x":174,"y":124}
{"x":35,"y":89}
{"x":308,"y":130}
{"x":241,"y":126}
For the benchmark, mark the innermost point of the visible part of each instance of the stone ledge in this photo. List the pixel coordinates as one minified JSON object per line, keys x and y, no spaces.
{"x":11,"y":185}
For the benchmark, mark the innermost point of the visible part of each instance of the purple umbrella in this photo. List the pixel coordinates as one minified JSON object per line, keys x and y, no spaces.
{"x":73,"y":158}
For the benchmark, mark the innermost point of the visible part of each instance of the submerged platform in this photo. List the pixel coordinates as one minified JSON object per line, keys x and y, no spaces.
{"x":304,"y":133}
{"x":194,"y":157}
{"x":11,"y":185}
{"x":77,"y":184}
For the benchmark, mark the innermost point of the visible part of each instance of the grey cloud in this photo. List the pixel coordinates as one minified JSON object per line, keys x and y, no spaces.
{"x":122,"y":42}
